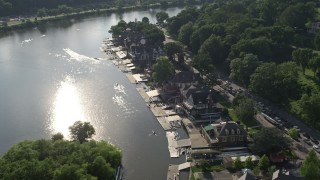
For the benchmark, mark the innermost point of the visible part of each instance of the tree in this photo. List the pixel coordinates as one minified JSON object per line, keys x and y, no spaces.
{"x":310,"y":105}
{"x":263,"y":79}
{"x":275,"y":82}
{"x":42,"y":12}
{"x":263,"y":163}
{"x":203,"y":63}
{"x":101,"y":169}
{"x":248,"y":163}
{"x":269,"y":140}
{"x":116,"y":30}
{"x":59,"y":160}
{"x":162,"y":70}
{"x":81,"y":131}
{"x":161,"y":17}
{"x":242,"y":68}
{"x":302,"y":56}
{"x":317,"y":41}
{"x":245,"y":109}
{"x":145,"y":20}
{"x":185,"y":33}
{"x":237,"y":164}
{"x":298,"y":15}
{"x":57,"y":137}
{"x":215,"y":48}
{"x":314,"y":64}
{"x":293,"y":133}
{"x":173,"y":48}
{"x":310,"y":168}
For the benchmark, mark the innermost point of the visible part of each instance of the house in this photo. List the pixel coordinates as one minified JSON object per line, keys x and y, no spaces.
{"x":179,"y":81}
{"x":185,"y":78}
{"x":284,"y":175}
{"x":139,"y":47}
{"x":224,"y":134}
{"x":196,"y":99}
{"x":247,"y":176}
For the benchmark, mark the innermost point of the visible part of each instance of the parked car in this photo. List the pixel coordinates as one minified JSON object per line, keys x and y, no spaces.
{"x":306,"y":135}
{"x":307,"y":142}
{"x":314,"y":141}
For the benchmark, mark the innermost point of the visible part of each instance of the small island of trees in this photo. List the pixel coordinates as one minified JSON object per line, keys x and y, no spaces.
{"x":79,"y":158}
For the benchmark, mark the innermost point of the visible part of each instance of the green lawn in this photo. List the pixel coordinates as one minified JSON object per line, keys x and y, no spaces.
{"x":248,"y":123}
{"x":232,"y":115}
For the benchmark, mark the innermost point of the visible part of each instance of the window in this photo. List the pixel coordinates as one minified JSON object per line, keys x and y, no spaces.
{"x":233,"y":139}
{"x":232,"y":131}
{"x":240,"y":138}
{"x":227,"y":132}
{"x":224,"y":139}
{"x":238,"y":131}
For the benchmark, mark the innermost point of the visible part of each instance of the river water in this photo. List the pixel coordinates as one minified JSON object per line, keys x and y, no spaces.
{"x":49,"y":79}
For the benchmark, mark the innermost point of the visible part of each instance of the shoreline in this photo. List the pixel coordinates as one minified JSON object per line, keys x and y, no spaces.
{"x":173,"y":124}
{"x":32,"y":23}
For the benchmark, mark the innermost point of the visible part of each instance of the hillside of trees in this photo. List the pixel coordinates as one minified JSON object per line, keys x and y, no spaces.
{"x":54,"y":7}
{"x":263,"y":45}
{"x":62,"y":159}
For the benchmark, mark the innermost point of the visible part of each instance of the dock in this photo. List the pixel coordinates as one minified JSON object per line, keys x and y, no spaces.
{"x":196,"y":139}
{"x":143,"y":94}
{"x":172,"y":144}
{"x":165,"y":125}
{"x":173,"y":170}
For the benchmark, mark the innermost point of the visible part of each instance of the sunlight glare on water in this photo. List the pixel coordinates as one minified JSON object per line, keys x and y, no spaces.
{"x":67,"y":107}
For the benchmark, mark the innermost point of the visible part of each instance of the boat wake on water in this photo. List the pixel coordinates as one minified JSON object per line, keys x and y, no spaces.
{"x":119,"y":88}
{"x":26,"y":41}
{"x":79,"y":57}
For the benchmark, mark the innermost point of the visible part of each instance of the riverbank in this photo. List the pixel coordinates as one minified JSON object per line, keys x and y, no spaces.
{"x":34,"y":21}
{"x":180,"y":132}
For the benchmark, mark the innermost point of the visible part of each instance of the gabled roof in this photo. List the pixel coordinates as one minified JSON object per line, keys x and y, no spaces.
{"x":278,"y":175}
{"x":230,"y":127}
{"x":185,"y":77}
{"x":247,"y":176}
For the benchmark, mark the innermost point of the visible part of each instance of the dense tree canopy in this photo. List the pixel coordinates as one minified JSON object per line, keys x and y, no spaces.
{"x":46,"y":159}
{"x":310,"y":105}
{"x":161,"y":17}
{"x":152,"y":34}
{"x":162,"y":70}
{"x":269,"y":140}
{"x":242,"y":68}
{"x":310,"y":168}
{"x":275,"y":82}
{"x":245,"y":109}
{"x":302,"y":57}
{"x":172,"y":49}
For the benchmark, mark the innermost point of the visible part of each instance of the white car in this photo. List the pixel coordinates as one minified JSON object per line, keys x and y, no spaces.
{"x":315,"y":147}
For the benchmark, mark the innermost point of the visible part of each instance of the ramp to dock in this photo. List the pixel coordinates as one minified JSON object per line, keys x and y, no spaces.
{"x":172,"y":144}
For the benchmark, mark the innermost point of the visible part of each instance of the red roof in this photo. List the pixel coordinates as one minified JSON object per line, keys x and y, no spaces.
{"x":276,"y":158}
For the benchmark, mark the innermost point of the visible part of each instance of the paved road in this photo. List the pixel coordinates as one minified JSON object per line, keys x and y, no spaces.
{"x":278,"y":111}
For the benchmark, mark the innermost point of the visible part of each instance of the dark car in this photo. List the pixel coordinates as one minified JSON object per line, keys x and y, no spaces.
{"x":316,"y":142}
{"x":307,"y":142}
{"x":306,"y":135}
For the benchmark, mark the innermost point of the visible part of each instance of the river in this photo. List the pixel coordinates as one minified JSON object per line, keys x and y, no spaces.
{"x":49,"y":79}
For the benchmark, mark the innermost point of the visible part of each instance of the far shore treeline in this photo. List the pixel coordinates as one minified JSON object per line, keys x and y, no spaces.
{"x":79,"y":158}
{"x":17,"y":15}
